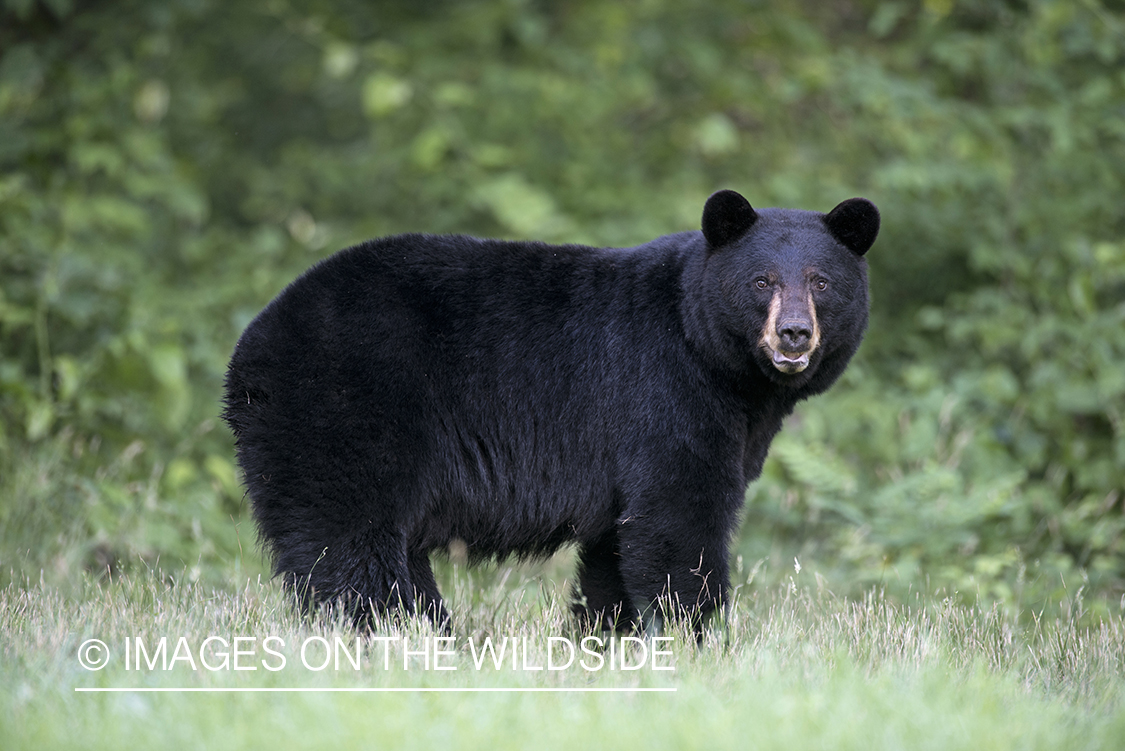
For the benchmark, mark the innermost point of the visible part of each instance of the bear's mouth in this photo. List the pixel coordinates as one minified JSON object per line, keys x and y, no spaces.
{"x":789,"y":363}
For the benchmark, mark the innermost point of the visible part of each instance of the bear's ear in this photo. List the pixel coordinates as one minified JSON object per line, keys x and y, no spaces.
{"x":854,"y":223}
{"x":726,"y":217}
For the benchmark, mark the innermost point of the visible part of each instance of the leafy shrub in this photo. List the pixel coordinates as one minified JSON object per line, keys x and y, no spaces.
{"x":166,"y":167}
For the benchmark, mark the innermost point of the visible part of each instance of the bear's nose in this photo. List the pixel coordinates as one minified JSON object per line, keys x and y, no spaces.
{"x":794,"y":335}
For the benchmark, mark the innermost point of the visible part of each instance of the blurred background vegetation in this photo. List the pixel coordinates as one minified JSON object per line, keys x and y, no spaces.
{"x":167,"y":166}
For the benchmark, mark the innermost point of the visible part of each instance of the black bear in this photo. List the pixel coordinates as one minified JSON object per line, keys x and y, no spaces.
{"x":415,"y":390}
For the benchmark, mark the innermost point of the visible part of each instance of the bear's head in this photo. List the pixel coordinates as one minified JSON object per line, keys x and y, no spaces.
{"x":787,"y":289}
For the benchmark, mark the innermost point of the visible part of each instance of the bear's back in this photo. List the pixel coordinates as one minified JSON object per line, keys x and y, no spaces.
{"x":505,"y":378}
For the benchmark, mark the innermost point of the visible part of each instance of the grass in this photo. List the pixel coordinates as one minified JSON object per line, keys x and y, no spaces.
{"x":802,"y":669}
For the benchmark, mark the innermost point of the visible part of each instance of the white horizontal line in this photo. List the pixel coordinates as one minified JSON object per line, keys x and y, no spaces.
{"x":150,"y":690}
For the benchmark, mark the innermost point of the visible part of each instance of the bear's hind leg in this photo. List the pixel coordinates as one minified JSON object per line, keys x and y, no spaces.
{"x":365,"y":575}
{"x":427,"y":597}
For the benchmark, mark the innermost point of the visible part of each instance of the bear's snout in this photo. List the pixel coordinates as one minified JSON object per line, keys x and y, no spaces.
{"x":791,"y":333}
{"x":794,"y":335}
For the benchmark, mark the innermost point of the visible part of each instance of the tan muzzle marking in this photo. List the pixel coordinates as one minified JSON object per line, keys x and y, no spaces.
{"x":788,"y":362}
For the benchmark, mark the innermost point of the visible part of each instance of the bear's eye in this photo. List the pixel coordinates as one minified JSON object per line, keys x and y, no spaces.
{"x":761,"y":282}
{"x":821,"y":284}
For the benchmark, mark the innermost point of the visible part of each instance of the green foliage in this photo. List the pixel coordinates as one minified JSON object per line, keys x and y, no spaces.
{"x":985,"y":423}
{"x":166,"y":167}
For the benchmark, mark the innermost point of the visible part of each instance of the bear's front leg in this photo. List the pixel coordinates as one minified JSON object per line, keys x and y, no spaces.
{"x":674,"y":567}
{"x":605,"y":603}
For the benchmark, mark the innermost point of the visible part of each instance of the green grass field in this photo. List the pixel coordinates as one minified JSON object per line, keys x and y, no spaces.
{"x":797,"y":668}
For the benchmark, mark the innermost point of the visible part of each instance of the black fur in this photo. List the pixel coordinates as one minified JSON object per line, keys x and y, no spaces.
{"x":415,"y":390}
{"x":855,"y":223}
{"x":726,"y":217}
